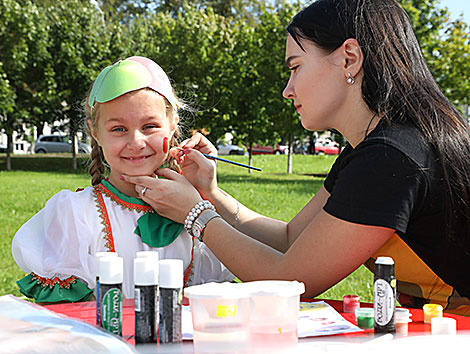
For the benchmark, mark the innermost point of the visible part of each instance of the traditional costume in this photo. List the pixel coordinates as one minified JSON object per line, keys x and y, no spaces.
{"x":57,"y":246}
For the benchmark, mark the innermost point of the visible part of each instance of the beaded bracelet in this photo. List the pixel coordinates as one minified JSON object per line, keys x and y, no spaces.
{"x":195,"y":212}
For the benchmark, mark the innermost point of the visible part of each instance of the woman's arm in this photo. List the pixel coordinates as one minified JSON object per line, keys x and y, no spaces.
{"x":325,"y":250}
{"x":275,"y":233}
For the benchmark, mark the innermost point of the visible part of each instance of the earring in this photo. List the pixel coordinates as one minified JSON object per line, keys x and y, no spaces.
{"x":350,"y":79}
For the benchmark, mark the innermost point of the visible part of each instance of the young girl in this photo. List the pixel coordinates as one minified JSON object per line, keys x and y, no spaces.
{"x":132,"y":116}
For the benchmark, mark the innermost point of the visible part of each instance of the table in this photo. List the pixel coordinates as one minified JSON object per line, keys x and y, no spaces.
{"x":86,"y":311}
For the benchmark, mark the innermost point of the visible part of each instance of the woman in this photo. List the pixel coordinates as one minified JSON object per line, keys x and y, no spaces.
{"x":400,"y":188}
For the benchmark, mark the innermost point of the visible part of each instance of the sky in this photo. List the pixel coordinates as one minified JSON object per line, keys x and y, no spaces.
{"x":456,"y":7}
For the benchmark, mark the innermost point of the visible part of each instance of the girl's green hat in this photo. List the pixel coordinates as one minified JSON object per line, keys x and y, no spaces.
{"x":128,"y":75}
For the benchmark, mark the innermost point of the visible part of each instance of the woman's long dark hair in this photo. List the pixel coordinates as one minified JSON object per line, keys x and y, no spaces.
{"x":398,"y":86}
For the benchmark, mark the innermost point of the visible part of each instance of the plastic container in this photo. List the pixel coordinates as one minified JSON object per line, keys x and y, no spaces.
{"x":365,"y":317}
{"x":146,"y":299}
{"x":351,"y":303}
{"x":221,"y":317}
{"x":274,"y":314}
{"x":170,"y":285}
{"x":147,"y":254}
{"x":402,"y":318}
{"x":431,"y":311}
{"x":111,"y":271}
{"x":443,"y":325}
{"x":385,"y":294}
{"x":96,"y":291}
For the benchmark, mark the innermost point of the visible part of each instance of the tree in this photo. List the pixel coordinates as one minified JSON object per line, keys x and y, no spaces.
{"x":7,"y":104}
{"x":78,"y":50}
{"x":445,"y":45}
{"x":451,"y":63}
{"x":194,"y":50}
{"x":123,"y":11}
{"x":246,"y":10}
{"x":256,"y":76}
{"x":26,"y":78}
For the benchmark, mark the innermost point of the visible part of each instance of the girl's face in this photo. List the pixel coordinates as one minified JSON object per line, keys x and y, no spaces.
{"x":131,"y":131}
{"x":316,"y":84}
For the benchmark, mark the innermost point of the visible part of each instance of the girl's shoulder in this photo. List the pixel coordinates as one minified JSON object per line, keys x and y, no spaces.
{"x":66,"y":196}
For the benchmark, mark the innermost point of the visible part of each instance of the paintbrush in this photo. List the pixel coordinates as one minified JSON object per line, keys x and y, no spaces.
{"x":224,"y":160}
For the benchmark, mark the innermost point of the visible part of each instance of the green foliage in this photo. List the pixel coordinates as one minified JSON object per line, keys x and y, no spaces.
{"x":226,"y":58}
{"x":123,"y":11}
{"x":445,"y":45}
{"x":25,"y":61}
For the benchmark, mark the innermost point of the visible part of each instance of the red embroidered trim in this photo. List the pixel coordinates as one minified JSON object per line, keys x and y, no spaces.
{"x":122,"y":203}
{"x":108,"y":232}
{"x":51,"y":282}
{"x":189,"y":270}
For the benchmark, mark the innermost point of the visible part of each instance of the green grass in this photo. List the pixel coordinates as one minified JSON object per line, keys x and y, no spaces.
{"x":271,"y":192}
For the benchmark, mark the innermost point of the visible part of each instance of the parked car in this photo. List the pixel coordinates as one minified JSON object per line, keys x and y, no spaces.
{"x":329,"y":148}
{"x":58,"y":143}
{"x":228,"y":149}
{"x":269,"y":150}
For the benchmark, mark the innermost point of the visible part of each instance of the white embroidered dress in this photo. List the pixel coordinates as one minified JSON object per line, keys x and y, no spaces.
{"x":59,"y":242}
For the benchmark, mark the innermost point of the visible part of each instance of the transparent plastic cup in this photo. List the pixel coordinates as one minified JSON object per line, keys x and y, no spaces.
{"x":274,"y":314}
{"x":221,"y":317}
{"x":402,"y":318}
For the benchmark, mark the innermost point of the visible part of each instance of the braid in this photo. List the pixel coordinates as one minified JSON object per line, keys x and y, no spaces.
{"x":97,"y":166}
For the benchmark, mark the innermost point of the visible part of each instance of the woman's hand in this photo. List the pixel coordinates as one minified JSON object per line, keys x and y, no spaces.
{"x":198,"y":169}
{"x":172,"y":197}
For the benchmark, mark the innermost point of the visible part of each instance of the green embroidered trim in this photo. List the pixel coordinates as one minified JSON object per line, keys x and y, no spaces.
{"x":153,"y":229}
{"x":53,"y":290}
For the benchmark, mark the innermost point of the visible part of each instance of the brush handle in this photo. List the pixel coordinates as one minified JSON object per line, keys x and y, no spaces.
{"x":228,"y":161}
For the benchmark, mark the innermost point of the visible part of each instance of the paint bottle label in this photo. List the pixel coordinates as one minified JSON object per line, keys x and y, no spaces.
{"x":111,"y":309}
{"x":170,"y":315}
{"x":146,"y":307}
{"x":383,"y":302}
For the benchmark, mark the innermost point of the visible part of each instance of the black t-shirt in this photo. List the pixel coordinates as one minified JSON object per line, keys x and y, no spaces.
{"x":392,"y":179}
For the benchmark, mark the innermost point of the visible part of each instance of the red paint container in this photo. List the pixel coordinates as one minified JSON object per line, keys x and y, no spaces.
{"x":351,"y":303}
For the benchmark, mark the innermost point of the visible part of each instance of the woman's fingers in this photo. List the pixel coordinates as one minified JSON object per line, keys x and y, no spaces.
{"x":169,"y":174}
{"x":199,"y":142}
{"x":199,"y":159}
{"x":144,"y":181}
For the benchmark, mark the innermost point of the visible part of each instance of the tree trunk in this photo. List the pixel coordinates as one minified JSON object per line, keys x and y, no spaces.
{"x":250,"y":157}
{"x":74,"y":150}
{"x":9,"y":150}
{"x":289,"y":155}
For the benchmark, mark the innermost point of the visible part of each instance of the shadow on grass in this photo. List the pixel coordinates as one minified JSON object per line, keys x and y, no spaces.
{"x":45,"y":163}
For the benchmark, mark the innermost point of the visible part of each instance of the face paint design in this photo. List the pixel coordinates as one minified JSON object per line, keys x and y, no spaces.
{"x":166,"y":144}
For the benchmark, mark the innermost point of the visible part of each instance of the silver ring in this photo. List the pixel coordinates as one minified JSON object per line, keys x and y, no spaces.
{"x":143,"y":191}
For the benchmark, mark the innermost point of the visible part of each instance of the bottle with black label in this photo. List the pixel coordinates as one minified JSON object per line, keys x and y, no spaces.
{"x":99,"y":255}
{"x":385,"y":295}
{"x":171,"y":296}
{"x":146,"y":302}
{"x":111,"y":274}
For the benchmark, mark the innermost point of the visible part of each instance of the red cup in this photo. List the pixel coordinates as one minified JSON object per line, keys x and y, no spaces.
{"x":351,"y":303}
